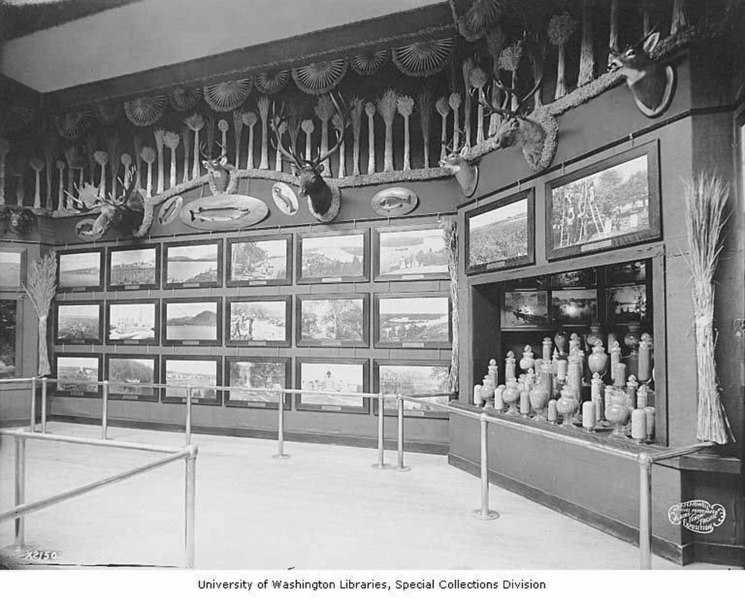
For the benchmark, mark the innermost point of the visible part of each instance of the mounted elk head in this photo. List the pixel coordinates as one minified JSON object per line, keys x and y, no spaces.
{"x":651,"y":83}
{"x":324,"y":201}
{"x":466,"y":174}
{"x":20,"y":220}
{"x":223,"y":177}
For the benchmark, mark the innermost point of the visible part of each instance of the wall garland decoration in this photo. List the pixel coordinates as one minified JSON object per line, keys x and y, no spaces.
{"x":16,"y":118}
{"x":271,"y":82}
{"x":145,"y":111}
{"x":368,"y":63}
{"x":423,"y":59}
{"x":184,"y":98}
{"x":321,"y":77}
{"x":228,"y":95}
{"x":72,"y":125}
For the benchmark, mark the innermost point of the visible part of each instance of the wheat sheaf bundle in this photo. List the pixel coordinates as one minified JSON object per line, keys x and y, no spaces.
{"x":40,"y":288}
{"x":706,"y":200}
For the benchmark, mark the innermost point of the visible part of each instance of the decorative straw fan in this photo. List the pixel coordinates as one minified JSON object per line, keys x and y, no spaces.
{"x":72,"y":125}
{"x":107,"y":114}
{"x":144,"y":112}
{"x":422,"y":59}
{"x":184,"y":98}
{"x":477,"y":19}
{"x":271,"y":82}
{"x":15,"y":118}
{"x":228,"y":95}
{"x":320,"y":77}
{"x":367,"y":63}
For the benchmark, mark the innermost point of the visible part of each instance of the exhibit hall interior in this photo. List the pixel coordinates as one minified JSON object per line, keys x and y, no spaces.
{"x":485,"y":246}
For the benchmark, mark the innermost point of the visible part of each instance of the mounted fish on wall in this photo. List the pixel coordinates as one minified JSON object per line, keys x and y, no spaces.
{"x":394,"y":201}
{"x":170,"y":210}
{"x":284,"y":198}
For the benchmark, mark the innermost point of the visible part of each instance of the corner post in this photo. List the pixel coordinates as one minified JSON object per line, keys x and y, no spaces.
{"x":380,"y":464}
{"x":400,"y":412}
{"x":645,"y":511}
{"x":43,"y":405}
{"x":190,"y":491}
{"x":20,"y":490}
{"x":105,"y":410}
{"x":188,"y":415}
{"x":33,"y":404}
{"x":280,"y":455}
{"x":484,"y":513}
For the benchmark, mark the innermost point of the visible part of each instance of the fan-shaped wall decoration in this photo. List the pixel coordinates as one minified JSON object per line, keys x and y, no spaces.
{"x":144,"y":112}
{"x":422,"y":59}
{"x":320,"y":77}
{"x":228,"y":95}
{"x":367,"y":63}
{"x":477,"y":19}
{"x":184,"y":98}
{"x":16,"y":118}
{"x":107,"y":113}
{"x":72,"y":125}
{"x":271,"y":82}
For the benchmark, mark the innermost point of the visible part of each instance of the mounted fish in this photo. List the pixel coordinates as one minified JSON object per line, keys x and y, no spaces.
{"x":394,"y":201}
{"x":284,"y":198}
{"x":223,"y":213}
{"x":170,"y":210}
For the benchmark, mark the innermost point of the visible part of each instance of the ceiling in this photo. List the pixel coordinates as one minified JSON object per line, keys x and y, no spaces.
{"x":147,"y":35}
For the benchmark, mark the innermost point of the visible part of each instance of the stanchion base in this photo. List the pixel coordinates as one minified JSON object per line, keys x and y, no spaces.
{"x":490,"y":515}
{"x":281,"y":456}
{"x":383,"y":466}
{"x":402,"y":468}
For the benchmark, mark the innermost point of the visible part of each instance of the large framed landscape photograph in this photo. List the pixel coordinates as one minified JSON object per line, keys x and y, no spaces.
{"x":333,"y":257}
{"x":192,"y":264}
{"x":12,"y":269}
{"x":426,"y":380}
{"x":257,"y":373}
{"x":333,"y":320}
{"x":610,"y":204}
{"x":77,"y":374}
{"x":80,"y":270}
{"x":203,"y":374}
{"x":524,"y":310}
{"x":78,"y":323}
{"x":410,"y":253}
{"x":413,"y":320}
{"x":258,"y":321}
{"x":321,"y":376}
{"x":260,"y":261}
{"x":132,"y":322}
{"x":501,"y":234}
{"x":134,"y":268}
{"x":127,"y":373}
{"x":575,"y":307}
{"x":192,"y":322}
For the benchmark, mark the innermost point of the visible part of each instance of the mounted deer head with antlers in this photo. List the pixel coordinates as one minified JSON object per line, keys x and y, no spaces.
{"x":650,"y":82}
{"x":20,"y":220}
{"x":324,"y":201}
{"x":223,"y":177}
{"x":456,"y":161}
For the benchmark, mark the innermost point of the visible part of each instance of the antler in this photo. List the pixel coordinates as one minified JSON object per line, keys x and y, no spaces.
{"x":276,"y":121}
{"x":209,"y":156}
{"x":450,"y":148}
{"x":344,"y":112}
{"x":512,"y":92}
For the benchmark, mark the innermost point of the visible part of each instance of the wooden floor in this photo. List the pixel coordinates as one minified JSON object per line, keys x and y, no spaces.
{"x":324,"y":508}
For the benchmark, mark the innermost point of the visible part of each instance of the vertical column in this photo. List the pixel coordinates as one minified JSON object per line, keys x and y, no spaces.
{"x":645,"y":511}
{"x":105,"y":410}
{"x":44,"y":405}
{"x":400,"y":412}
{"x":281,"y":455}
{"x":380,"y":464}
{"x":33,"y":404}
{"x":484,"y":513}
{"x":188,"y":415}
{"x":20,"y":490}
{"x":190,"y":480}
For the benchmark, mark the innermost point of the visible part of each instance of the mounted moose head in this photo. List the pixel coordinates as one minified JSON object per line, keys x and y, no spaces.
{"x":223,"y":177}
{"x":20,"y":220}
{"x":535,"y":133}
{"x":466,"y":174}
{"x":651,"y":83}
{"x":324,"y":201}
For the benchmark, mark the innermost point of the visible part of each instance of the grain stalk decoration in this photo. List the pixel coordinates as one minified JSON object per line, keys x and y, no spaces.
{"x":587,"y":56}
{"x":613,"y":40}
{"x":115,"y":154}
{"x":509,"y":60}
{"x":60,"y":185}
{"x":37,"y":164}
{"x":137,"y":146}
{"x":308,"y":127}
{"x":160,"y":135}
{"x":281,"y":130}
{"x":263,"y":105}
{"x":405,"y":105}
{"x":426,"y":102}
{"x":495,"y":44}
{"x":148,"y":155}
{"x":560,"y":29}
{"x":370,"y":113}
{"x":126,"y":160}
{"x":237,"y":132}
{"x":172,"y":141}
{"x":294,"y":121}
{"x":443,"y":109}
{"x":195,"y":122}
{"x":706,"y":202}
{"x":223,"y":126}
{"x":537,"y":55}
{"x":324,"y":110}
{"x":102,"y":159}
{"x":358,"y":107}
{"x":387,"y":109}
{"x":455,"y":100}
{"x":250,"y":119}
{"x":90,"y":149}
{"x":4,"y":149}
{"x":71,"y":158}
{"x":646,"y":17}
{"x":186,"y":143}
{"x":50,"y":149}
{"x":466,"y":67}
{"x":679,"y":20}
{"x":340,"y":126}
{"x":40,"y":287}
{"x":478,"y":80}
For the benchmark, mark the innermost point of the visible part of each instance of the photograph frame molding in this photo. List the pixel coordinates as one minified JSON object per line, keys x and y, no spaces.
{"x":198,"y":284}
{"x":306,"y":280}
{"x":135,"y":287}
{"x":230,"y":242}
{"x":378,"y":248}
{"x":428,"y":414}
{"x":378,"y":344}
{"x":301,"y":298}
{"x":97,"y":341}
{"x":165,"y":341}
{"x":260,"y":405}
{"x":23,"y":265}
{"x":133,"y":342}
{"x":82,"y":288}
{"x":99,"y":377}
{"x":286,"y":342}
{"x":166,"y":399}
{"x":113,"y":395}
{"x":332,"y":361}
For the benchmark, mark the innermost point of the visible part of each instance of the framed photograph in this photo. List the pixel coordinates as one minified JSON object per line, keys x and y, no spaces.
{"x":610,"y":204}
{"x":77,"y":374}
{"x":574,"y":307}
{"x":627,"y":304}
{"x":524,"y":310}
{"x":333,"y":257}
{"x":529,"y":283}
{"x":408,"y":320}
{"x":203,"y":374}
{"x":132,"y":322}
{"x":125,"y":373}
{"x":333,"y":320}
{"x":12,"y":269}
{"x":260,"y":261}
{"x":78,"y":323}
{"x":574,"y":278}
{"x":415,"y":379}
{"x":257,"y":373}
{"x":10,"y":338}
{"x":501,"y":234}
{"x":410,"y":253}
{"x":192,"y":264}
{"x":627,"y":273}
{"x":320,"y":376}
{"x":80,"y":270}
{"x":192,"y":322}
{"x":262,"y":320}
{"x":134,"y":268}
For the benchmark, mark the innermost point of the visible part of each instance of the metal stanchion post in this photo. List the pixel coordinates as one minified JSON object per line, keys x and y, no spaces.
{"x":380,"y":464}
{"x":33,"y":404}
{"x":188,"y":414}
{"x":43,"y":405}
{"x":20,"y":490}
{"x":190,"y":480}
{"x":400,"y":411}
{"x":105,"y":410}
{"x":645,"y":511}
{"x":281,"y":455}
{"x":484,"y":513}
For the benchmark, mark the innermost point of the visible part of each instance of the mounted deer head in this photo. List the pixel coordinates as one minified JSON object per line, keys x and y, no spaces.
{"x":324,"y":201}
{"x":223,"y":177}
{"x":651,"y":83}
{"x":466,"y":174}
